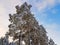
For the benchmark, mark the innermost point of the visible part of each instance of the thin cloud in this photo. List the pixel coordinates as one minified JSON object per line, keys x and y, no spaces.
{"x":41,"y":5}
{"x":45,"y":4}
{"x":53,"y":31}
{"x":3,"y":21}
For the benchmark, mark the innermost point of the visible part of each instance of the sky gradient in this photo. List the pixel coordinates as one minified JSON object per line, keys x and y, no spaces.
{"x":46,"y":12}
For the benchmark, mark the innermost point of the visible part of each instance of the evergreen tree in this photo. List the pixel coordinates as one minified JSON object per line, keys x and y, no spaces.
{"x":4,"y":40}
{"x":51,"y":42}
{"x":24,"y":27}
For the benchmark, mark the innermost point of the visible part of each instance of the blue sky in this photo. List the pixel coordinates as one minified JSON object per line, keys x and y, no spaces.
{"x":46,"y":12}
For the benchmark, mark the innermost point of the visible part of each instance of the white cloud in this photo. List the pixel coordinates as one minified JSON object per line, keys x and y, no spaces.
{"x":2,"y":20}
{"x":10,"y":4}
{"x":41,"y":5}
{"x":2,"y":32}
{"x":2,"y":10}
{"x":51,"y":2}
{"x":45,"y":4}
{"x":53,"y":32}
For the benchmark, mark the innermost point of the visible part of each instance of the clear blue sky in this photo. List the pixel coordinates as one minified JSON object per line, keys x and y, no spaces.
{"x":46,"y":12}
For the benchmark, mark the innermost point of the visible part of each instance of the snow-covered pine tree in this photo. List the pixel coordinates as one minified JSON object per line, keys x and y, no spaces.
{"x":25,"y":28}
{"x":4,"y":40}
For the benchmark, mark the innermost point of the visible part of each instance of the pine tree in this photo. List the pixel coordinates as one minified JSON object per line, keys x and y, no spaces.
{"x":24,"y":27}
{"x":4,"y":40}
{"x":51,"y":42}
{"x":1,"y":41}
